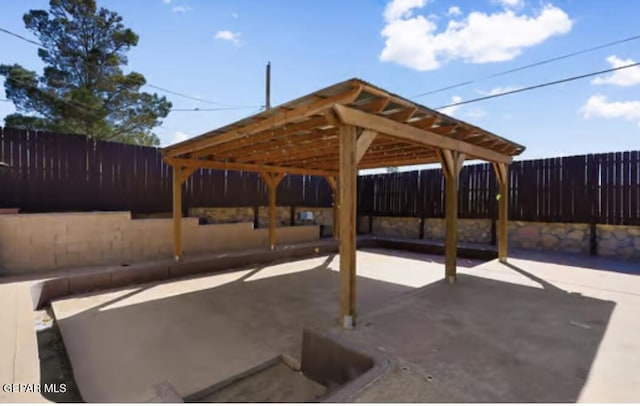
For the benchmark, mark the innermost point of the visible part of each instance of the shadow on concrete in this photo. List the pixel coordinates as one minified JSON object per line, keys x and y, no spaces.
{"x":579,"y":260}
{"x":193,"y":340}
{"x":431,"y":258}
{"x":483,"y":340}
{"x":545,"y":284}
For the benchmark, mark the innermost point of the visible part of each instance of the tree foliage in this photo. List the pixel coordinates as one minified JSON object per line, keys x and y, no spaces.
{"x":83,"y":89}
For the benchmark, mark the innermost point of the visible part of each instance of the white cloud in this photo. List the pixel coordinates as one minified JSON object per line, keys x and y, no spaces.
{"x":397,"y":9}
{"x":599,"y":106}
{"x":413,"y":41}
{"x":623,"y":77}
{"x":497,"y":90}
{"x":511,"y":3}
{"x":226,"y":35}
{"x":454,"y":11}
{"x":180,"y":136}
{"x":166,"y":1}
{"x":181,"y":9}
{"x":452,"y":110}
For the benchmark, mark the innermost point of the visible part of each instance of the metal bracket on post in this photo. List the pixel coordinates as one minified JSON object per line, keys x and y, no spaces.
{"x":347,"y":322}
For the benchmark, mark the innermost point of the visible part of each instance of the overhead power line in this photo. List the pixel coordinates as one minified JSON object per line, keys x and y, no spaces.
{"x":13,"y":34}
{"x":197,"y":98}
{"x":531,"y":65}
{"x":538,"y":86}
{"x":197,"y":109}
{"x":163,"y":89}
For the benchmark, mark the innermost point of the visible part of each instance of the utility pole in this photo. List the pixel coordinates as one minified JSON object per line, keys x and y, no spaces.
{"x":267,"y":104}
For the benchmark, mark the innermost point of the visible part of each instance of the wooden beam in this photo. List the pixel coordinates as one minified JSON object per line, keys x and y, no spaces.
{"x":333,"y":184}
{"x":364,"y":141}
{"x":186,"y":172}
{"x":177,"y":213}
{"x":272,"y":180}
{"x":386,"y":126}
{"x":235,"y":166}
{"x":502,"y":173}
{"x":451,"y":208}
{"x":446,"y":160}
{"x":211,"y":139}
{"x":347,"y":199}
{"x":331,"y":117}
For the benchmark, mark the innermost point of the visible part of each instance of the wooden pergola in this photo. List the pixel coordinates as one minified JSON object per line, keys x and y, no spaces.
{"x":333,"y":133}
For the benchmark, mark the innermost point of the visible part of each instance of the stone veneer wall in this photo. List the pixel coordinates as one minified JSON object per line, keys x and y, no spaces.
{"x":218,"y":215}
{"x":405,"y":227}
{"x":612,"y":241}
{"x":31,"y":243}
{"x":469,"y":230}
{"x":618,"y":241}
{"x":563,"y":237}
{"x":322,"y":216}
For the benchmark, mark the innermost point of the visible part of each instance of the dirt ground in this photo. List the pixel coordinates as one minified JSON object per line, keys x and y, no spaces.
{"x":54,"y":361}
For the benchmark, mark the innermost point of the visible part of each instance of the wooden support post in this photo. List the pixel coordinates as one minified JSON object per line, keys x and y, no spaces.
{"x":451,"y":164}
{"x":272,"y":217}
{"x":272,"y":181}
{"x":347,"y":211}
{"x":502,"y":174}
{"x":333,"y":183}
{"x":177,"y":213}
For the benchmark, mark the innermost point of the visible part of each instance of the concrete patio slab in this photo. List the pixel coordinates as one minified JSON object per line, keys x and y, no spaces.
{"x":528,"y":331}
{"x":542,"y":328}
{"x":195,"y":332}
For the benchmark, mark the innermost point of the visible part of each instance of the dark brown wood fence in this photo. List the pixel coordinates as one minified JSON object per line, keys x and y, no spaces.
{"x":53,"y":172}
{"x":597,"y":188}
{"x":56,"y":172}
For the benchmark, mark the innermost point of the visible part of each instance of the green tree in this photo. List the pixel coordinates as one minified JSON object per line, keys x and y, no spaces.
{"x":83,"y":89}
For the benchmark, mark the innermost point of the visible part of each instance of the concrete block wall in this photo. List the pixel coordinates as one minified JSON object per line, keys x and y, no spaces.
{"x":34,"y":243}
{"x":219,"y":215}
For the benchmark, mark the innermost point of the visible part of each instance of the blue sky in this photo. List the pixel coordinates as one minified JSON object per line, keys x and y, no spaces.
{"x":217,"y":50}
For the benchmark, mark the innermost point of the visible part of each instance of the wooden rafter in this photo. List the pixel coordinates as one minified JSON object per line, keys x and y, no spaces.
{"x":278,"y":149}
{"x":265,"y":136}
{"x":278,"y":119}
{"x":375,"y":106}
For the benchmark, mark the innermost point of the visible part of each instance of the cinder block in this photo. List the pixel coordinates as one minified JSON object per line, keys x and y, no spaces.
{"x":44,"y":292}
{"x":89,"y":282}
{"x":138,"y":274}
